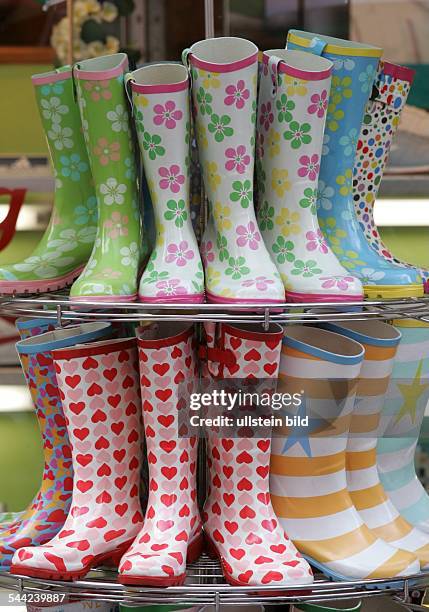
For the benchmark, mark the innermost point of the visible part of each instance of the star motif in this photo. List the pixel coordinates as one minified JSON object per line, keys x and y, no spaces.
{"x":301,"y":435}
{"x":411,"y":394}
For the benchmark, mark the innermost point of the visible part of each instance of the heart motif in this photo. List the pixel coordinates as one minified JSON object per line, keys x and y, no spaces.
{"x":119,"y":455}
{"x":84,"y":460}
{"x":252,"y":355}
{"x":269,"y":525}
{"x":98,"y":416}
{"x":270,"y":368}
{"x":81,"y":434}
{"x":278,"y":548}
{"x":113,"y":534}
{"x":97,"y":523}
{"x":76,"y":511}
{"x":163,"y":394}
{"x":66,"y":533}
{"x":245,"y":576}
{"x":89,"y":363}
{"x":94,"y":389}
{"x":121,"y":509}
{"x":237,"y":553}
{"x":252,"y":538}
{"x":84,"y":485}
{"x":231,"y":526}
{"x":247,"y":512}
{"x":110,"y":374}
{"x":228,"y":498}
{"x":235,"y":342}
{"x":79,"y":545}
{"x":272,"y":577}
{"x":164,"y":525}
{"x":73,"y":381}
{"x":227,"y":444}
{"x":23,"y":554}
{"x":244,"y":485}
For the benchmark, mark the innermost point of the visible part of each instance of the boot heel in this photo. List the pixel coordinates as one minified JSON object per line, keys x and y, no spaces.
{"x":195,"y":549}
{"x":210,"y":548}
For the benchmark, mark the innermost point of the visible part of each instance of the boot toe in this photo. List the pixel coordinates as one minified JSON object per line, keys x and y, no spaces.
{"x":101,"y":288}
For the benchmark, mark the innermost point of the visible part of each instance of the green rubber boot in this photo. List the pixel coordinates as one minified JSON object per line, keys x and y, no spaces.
{"x":311,"y":607}
{"x":68,"y":240}
{"x":111,"y":273}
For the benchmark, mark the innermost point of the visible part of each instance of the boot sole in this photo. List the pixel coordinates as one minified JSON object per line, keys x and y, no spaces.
{"x":295,"y":297}
{"x":394,"y":291}
{"x":103,"y":298}
{"x":39,"y":286}
{"x":195,"y":549}
{"x":111,"y":558}
{"x":197,"y":298}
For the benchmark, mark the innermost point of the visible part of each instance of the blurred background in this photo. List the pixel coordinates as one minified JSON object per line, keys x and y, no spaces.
{"x":34,"y":37}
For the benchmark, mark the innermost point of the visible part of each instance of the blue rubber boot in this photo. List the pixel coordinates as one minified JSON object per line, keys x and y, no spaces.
{"x":355,"y":69}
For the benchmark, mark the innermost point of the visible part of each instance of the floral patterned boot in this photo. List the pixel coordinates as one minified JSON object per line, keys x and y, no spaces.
{"x":45,"y":516}
{"x":68,"y":240}
{"x":111,"y":273}
{"x":239,"y":521}
{"x":161,"y":110}
{"x":172,"y":531}
{"x":380,"y":122}
{"x":291,"y":120}
{"x":238,"y":267}
{"x":354,"y":72}
{"x":98,"y":384}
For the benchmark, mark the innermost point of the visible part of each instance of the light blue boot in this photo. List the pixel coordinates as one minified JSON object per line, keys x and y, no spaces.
{"x":355,"y":68}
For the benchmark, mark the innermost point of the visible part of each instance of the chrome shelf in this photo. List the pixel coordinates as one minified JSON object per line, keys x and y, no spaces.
{"x":205,"y":585}
{"x":58,"y":307}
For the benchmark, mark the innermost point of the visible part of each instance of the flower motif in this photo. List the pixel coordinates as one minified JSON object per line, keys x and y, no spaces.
{"x":349,"y":142}
{"x":309,"y":166}
{"x":284,"y":106}
{"x":319,"y":104}
{"x":130,"y":172}
{"x":171,"y":178}
{"x":45,"y":265}
{"x":332,"y":232}
{"x":52,"y":88}
{"x":265,"y":216}
{"x":367,"y":77}
{"x":98,"y":89}
{"x":204,"y":100}
{"x":295,"y":86}
{"x":266,"y":116}
{"x":210,"y":79}
{"x":261,"y":283}
{"x":289,"y":222}
{"x":310,"y":200}
{"x":202,"y":136}
{"x":61,"y":137}
{"x":283,"y":250}
{"x":340,"y":88}
{"x":213,"y":276}
{"x":139,"y":119}
{"x":71,"y":167}
{"x":219,"y":127}
{"x":130,"y":255}
{"x":237,"y":268}
{"x":152,"y":144}
{"x":176,"y":212}
{"x":316,"y":242}
{"x":222,"y":244}
{"x":346,"y":63}
{"x":236,"y":94}
{"x":109,"y":12}
{"x":237,"y":159}
{"x":324,"y":193}
{"x":179,"y":253}
{"x":254,"y":112}
{"x":167,"y":114}
{"x":298,"y":134}
{"x":221,"y":215}
{"x":306,"y":269}
{"x":339,"y":282}
{"x":248,"y":234}
{"x":335,"y":115}
{"x":170,"y":287}
{"x":273,"y":139}
{"x":53,"y":109}
{"x":110,"y":273}
{"x":107,"y":152}
{"x":369,"y":276}
{"x":207,"y":253}
{"x":116,"y":225}
{"x":119,"y":119}
{"x":113,"y":191}
{"x":87,"y":214}
{"x":213,"y":177}
{"x":325,"y":147}
{"x":345,"y":181}
{"x":279,"y":181}
{"x":242,"y":193}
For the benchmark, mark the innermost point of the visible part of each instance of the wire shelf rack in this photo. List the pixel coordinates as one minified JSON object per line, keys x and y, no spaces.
{"x":60,"y":308}
{"x":204,"y":585}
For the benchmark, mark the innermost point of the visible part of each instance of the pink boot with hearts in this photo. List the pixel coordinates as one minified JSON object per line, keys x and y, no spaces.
{"x":172,"y":531}
{"x":239,"y":521}
{"x":99,"y":389}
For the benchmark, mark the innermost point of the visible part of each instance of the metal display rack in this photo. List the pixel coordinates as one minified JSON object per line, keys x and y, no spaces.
{"x":204,"y":583}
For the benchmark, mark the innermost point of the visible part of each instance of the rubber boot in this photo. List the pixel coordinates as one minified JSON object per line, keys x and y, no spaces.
{"x":238,"y":267}
{"x":380,"y":122}
{"x":380,"y":341}
{"x":67,"y":242}
{"x":355,"y":69}
{"x":26,"y":328}
{"x":239,"y":521}
{"x":401,"y":422}
{"x":111,"y":273}
{"x":98,"y":384}
{"x":291,"y":121}
{"x":45,"y":516}
{"x":172,"y":531}
{"x":308,"y":467}
{"x":161,"y":112}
